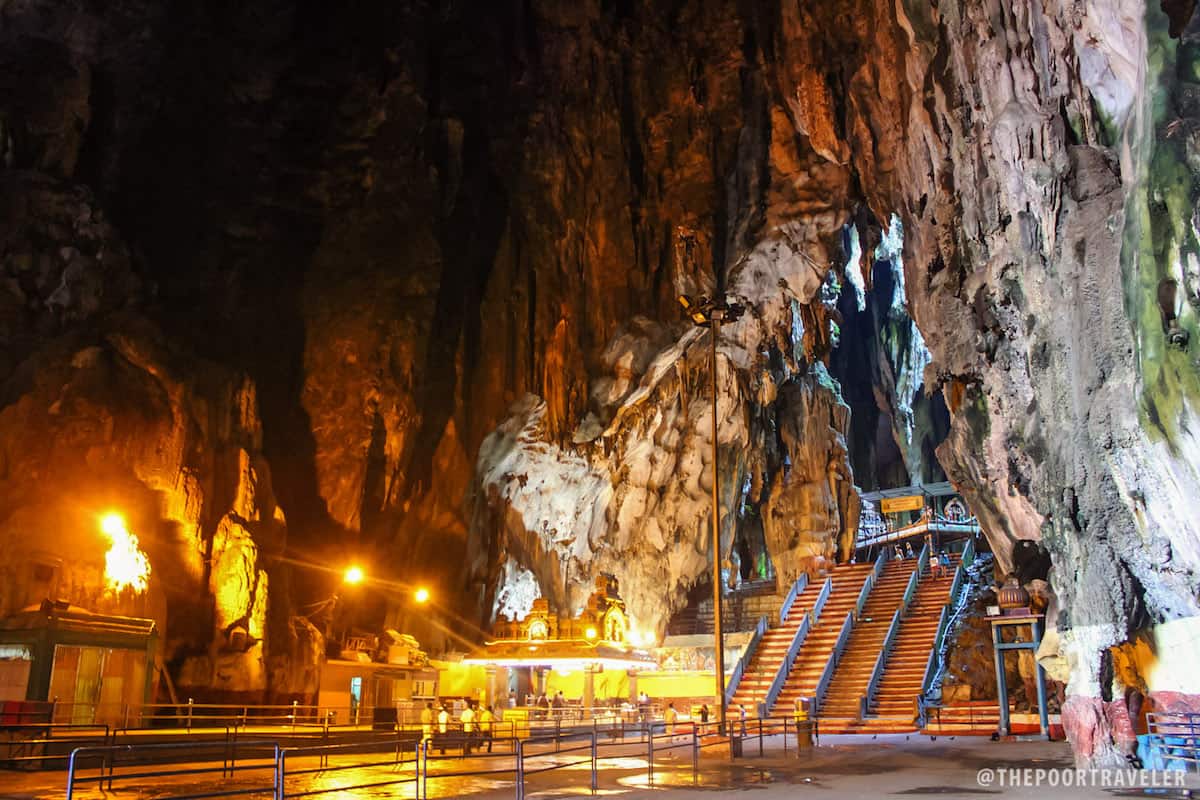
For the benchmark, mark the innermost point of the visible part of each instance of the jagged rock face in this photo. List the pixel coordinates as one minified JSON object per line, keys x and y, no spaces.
{"x":432,"y":236}
{"x":175,"y":446}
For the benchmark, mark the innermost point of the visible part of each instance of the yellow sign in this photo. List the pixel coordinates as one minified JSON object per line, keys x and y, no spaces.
{"x":893,"y":505}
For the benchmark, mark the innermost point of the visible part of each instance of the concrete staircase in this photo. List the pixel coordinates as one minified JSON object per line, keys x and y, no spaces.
{"x":905,"y":669}
{"x":893,"y":709}
{"x":853,"y":672}
{"x":802,"y":680}
{"x":847,"y":580}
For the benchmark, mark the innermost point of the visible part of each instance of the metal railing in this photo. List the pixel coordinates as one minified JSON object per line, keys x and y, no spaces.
{"x":923,"y":558}
{"x":835,"y":655}
{"x":1173,"y":737}
{"x":789,"y":659}
{"x":933,"y":651}
{"x":747,"y":656}
{"x":869,"y":583}
{"x":953,"y":608}
{"x":798,"y":586}
{"x":409,"y":767}
{"x":864,"y":701}
{"x":910,"y":591}
{"x":256,"y":757}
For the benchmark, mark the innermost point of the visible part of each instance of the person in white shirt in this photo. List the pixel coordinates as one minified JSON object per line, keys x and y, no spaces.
{"x":443,"y":718}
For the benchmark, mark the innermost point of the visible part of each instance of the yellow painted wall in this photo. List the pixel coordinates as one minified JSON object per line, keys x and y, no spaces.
{"x":607,"y":684}
{"x":677,"y":684}
{"x":460,"y":680}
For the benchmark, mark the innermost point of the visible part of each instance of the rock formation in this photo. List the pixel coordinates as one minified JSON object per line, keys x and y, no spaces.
{"x":420,"y":258}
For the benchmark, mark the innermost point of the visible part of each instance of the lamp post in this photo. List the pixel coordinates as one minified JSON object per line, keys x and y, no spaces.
{"x":706,"y":313}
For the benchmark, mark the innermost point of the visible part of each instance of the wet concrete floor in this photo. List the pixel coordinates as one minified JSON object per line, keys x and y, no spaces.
{"x":842,"y":767}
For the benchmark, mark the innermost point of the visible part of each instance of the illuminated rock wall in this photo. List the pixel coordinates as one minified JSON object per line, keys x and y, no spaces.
{"x":443,"y":242}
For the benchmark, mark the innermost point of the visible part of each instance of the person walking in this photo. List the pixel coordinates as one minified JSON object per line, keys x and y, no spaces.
{"x":486,"y":717}
{"x":559,"y":704}
{"x":703,"y":716}
{"x":669,"y":717}
{"x":742,"y":716}
{"x":427,"y":723}
{"x":467,"y":718}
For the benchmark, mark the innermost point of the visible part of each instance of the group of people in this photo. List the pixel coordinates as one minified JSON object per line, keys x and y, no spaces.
{"x":475,"y":726}
{"x":545,"y":705}
{"x":939,"y":563}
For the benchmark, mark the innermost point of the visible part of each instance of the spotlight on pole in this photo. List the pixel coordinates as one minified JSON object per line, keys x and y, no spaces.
{"x":710,"y":313}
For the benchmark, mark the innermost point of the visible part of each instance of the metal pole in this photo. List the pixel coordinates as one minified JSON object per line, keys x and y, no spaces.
{"x":695,"y":754}
{"x":719,"y":641}
{"x":520,"y":772}
{"x":1001,"y":683}
{"x":650,"y":756}
{"x":595,"y":782}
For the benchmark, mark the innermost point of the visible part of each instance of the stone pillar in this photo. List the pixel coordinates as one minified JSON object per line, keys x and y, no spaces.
{"x":633,"y":688}
{"x":589,"y":688}
{"x":524,"y":684}
{"x":489,"y":698}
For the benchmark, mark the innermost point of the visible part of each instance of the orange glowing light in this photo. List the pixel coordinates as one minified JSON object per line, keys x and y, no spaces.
{"x":125,"y":565}
{"x":590,"y":633}
{"x":421,"y":595}
{"x":354,"y":575}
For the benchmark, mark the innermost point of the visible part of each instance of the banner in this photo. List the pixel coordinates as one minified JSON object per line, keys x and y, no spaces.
{"x":893,"y":505}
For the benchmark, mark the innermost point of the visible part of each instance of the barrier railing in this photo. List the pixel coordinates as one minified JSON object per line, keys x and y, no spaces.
{"x":923,"y":559}
{"x":950,"y":612}
{"x":789,"y":660}
{"x":864,"y":701}
{"x":1173,"y":737}
{"x":256,"y":756}
{"x":409,"y":768}
{"x":798,"y":586}
{"x":910,"y":591}
{"x":968,"y":554}
{"x":869,"y":584}
{"x":834,"y":656}
{"x":933,"y":651}
{"x":747,"y":656}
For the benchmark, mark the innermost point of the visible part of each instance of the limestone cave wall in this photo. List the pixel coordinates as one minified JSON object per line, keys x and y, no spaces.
{"x":407,"y":271}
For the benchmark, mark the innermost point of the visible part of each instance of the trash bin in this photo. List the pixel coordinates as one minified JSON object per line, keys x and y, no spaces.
{"x":384,"y":718}
{"x":802,"y":714}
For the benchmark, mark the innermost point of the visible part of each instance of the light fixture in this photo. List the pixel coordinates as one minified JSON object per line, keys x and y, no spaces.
{"x":421,"y":595}
{"x":354,"y":575}
{"x":590,"y":633}
{"x":112,"y":524}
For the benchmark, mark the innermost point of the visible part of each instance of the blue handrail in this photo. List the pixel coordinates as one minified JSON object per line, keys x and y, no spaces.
{"x":834,"y":656}
{"x":933,"y":651}
{"x":798,"y":586}
{"x":743,"y":663}
{"x":923,"y":558}
{"x":863,"y":594}
{"x":864,"y":702}
{"x":785,"y":666}
{"x":910,"y":591}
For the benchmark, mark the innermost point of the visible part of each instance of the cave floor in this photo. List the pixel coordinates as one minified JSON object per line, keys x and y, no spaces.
{"x":842,"y":767}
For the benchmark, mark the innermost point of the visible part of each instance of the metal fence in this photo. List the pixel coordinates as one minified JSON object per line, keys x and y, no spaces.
{"x":431,"y":765}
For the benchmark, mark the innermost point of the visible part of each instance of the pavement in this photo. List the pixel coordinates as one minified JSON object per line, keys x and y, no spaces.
{"x":841,"y":767}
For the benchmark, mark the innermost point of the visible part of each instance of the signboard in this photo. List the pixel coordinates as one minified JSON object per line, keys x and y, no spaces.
{"x":893,"y":505}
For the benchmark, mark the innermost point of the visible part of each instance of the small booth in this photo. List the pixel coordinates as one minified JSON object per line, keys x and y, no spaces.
{"x":589,"y":647}
{"x":86,"y":668}
{"x":377,"y":678}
